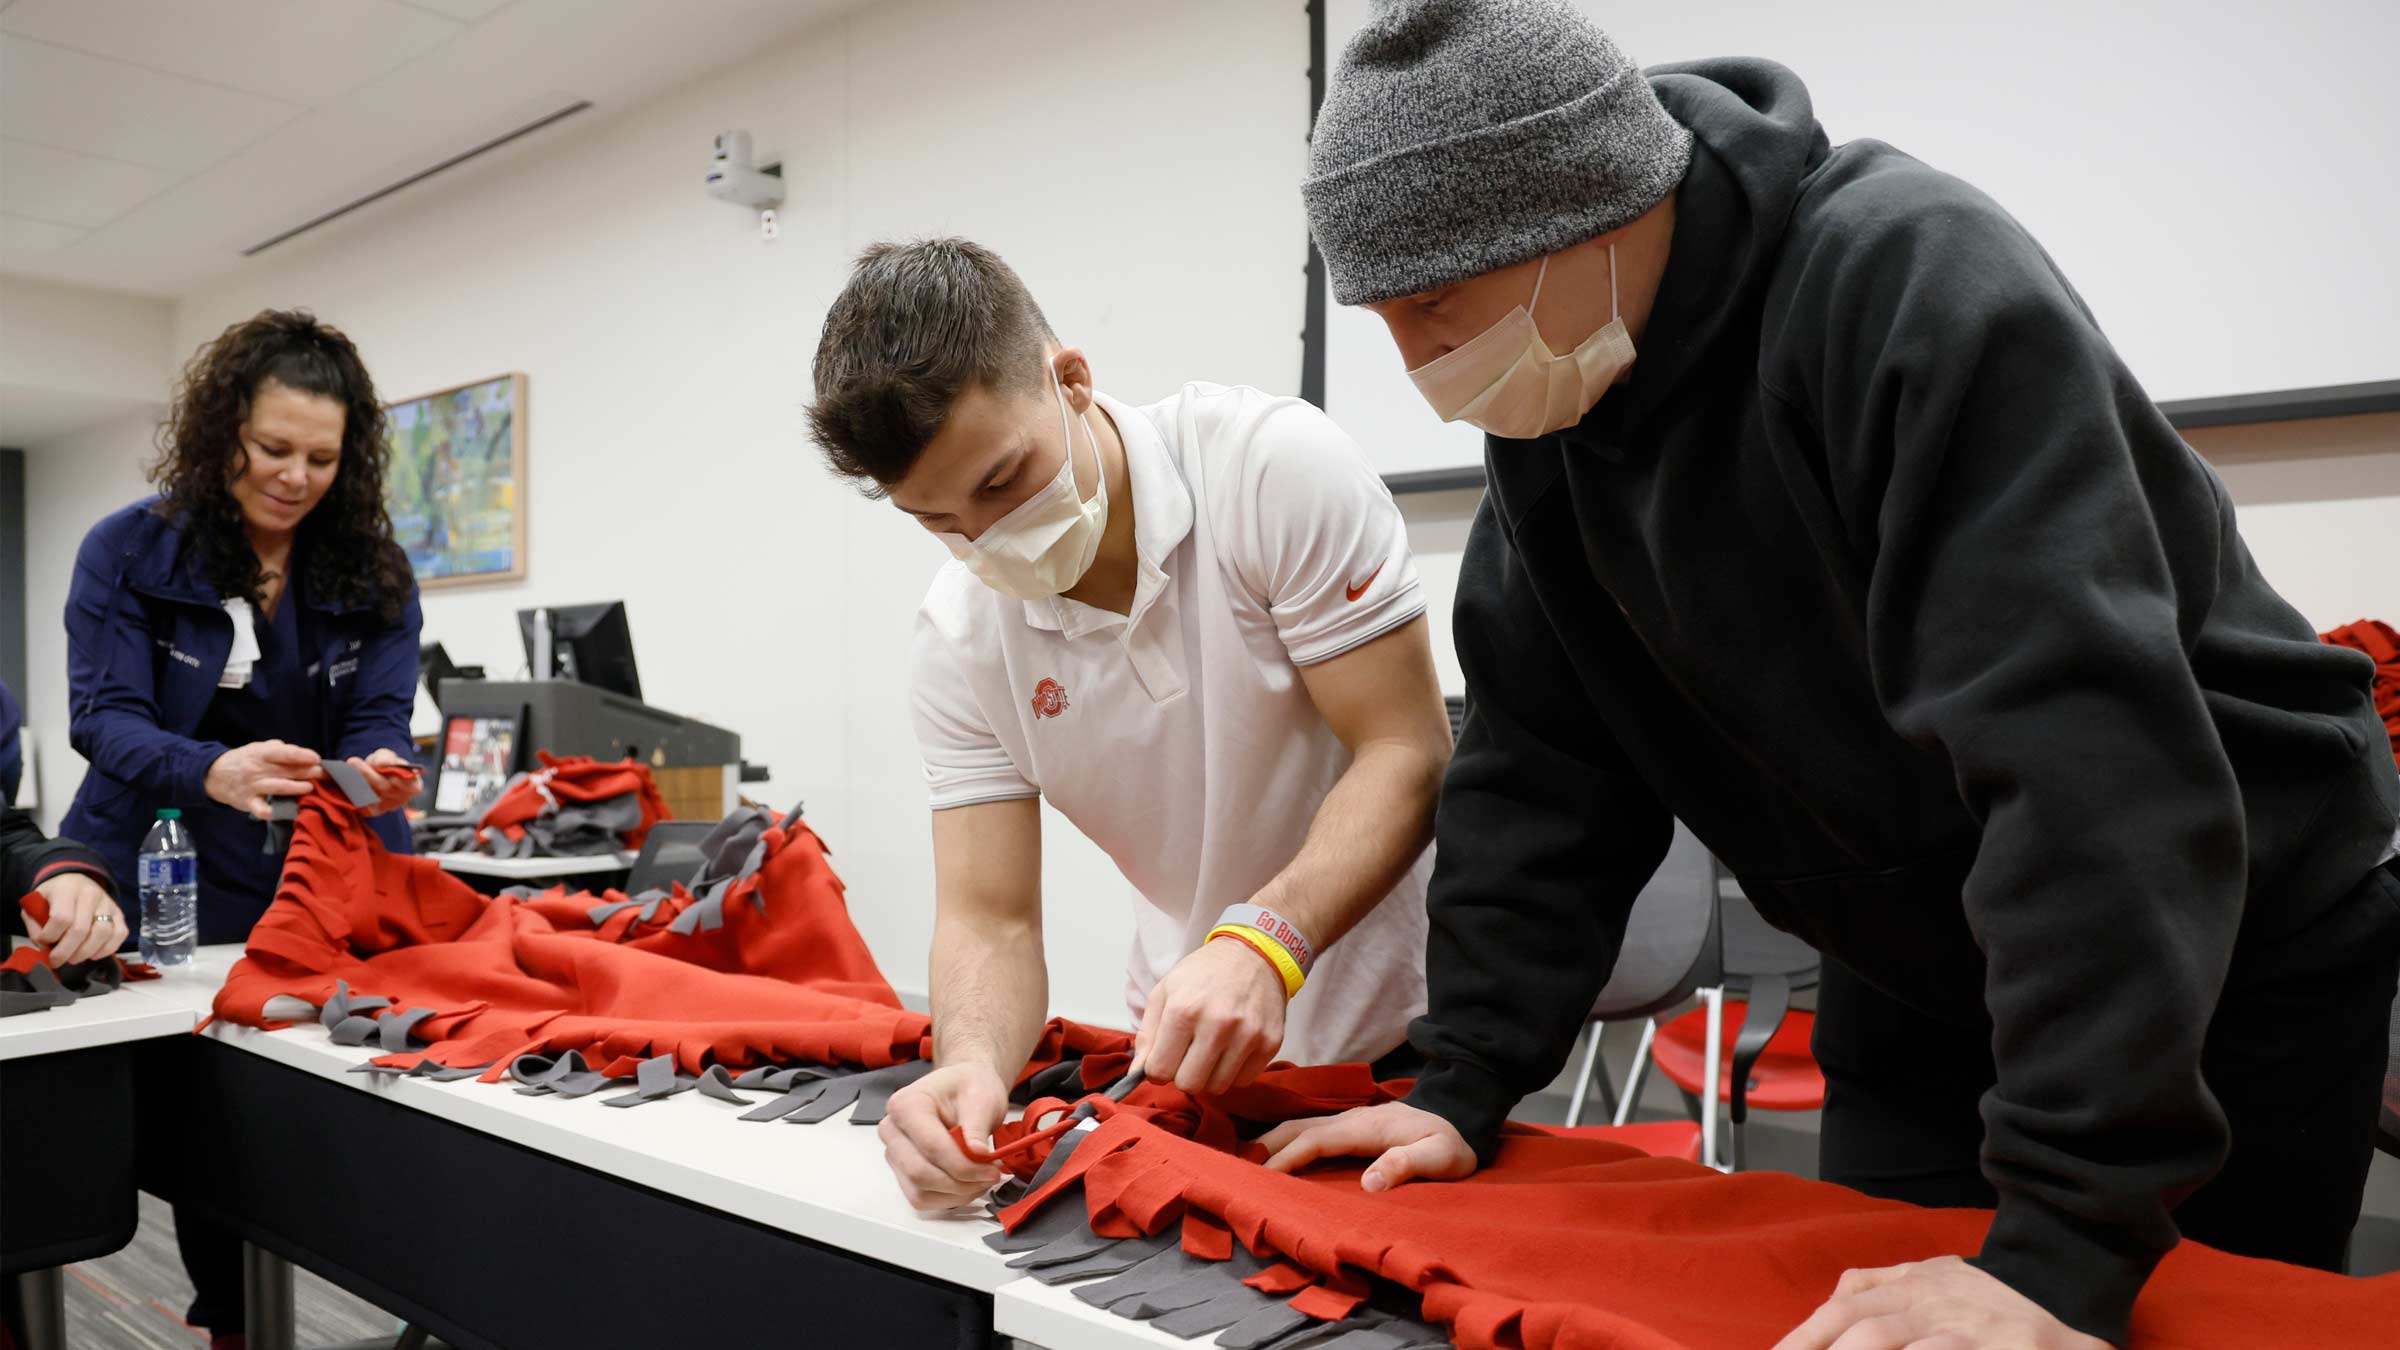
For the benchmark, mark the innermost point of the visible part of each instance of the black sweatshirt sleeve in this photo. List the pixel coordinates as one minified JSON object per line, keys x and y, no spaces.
{"x":27,"y":858}
{"x":1543,"y":838}
{"x":2042,"y":549}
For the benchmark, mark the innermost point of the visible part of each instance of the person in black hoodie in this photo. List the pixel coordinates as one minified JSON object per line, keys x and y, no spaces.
{"x":83,"y":923}
{"x":1880,"y":571}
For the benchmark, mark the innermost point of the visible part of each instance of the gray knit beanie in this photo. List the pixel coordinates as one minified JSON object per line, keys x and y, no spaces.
{"x":1461,"y":136}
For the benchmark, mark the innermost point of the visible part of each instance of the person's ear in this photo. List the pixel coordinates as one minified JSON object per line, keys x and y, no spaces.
{"x":1074,"y":372}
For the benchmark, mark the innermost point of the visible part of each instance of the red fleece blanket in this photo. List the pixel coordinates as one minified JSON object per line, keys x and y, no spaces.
{"x":1582,"y":1244}
{"x":785,"y":977}
{"x":575,"y":778}
{"x":2382,"y":645}
{"x":1564,"y":1243}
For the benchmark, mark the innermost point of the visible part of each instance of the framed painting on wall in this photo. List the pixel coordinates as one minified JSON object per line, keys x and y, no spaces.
{"x":455,"y":486}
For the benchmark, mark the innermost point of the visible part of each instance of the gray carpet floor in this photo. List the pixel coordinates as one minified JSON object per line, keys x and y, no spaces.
{"x":134,"y":1299}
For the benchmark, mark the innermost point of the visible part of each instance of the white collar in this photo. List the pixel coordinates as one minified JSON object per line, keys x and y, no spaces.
{"x":1162,"y":520}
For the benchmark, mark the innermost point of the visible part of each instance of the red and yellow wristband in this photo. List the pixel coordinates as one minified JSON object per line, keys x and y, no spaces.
{"x":1273,"y":937}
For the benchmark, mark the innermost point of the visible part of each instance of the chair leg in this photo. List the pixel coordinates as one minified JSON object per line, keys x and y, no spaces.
{"x":267,"y":1297}
{"x":1638,"y":1075}
{"x":1712,"y":1063}
{"x":1600,"y":1080}
{"x":42,"y":1297}
{"x":1741,"y":1155}
{"x":1585,"y":1074}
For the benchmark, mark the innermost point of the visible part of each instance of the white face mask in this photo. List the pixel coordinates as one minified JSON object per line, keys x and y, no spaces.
{"x":1506,"y":381}
{"x":1048,"y":542}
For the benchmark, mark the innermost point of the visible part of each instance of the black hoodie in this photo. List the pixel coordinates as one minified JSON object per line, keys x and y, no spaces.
{"x":1882,"y":573}
{"x":27,"y":859}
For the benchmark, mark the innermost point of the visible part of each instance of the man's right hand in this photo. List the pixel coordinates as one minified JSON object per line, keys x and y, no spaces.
{"x":246,"y":779}
{"x":1407,"y":1143}
{"x":934,"y":1173}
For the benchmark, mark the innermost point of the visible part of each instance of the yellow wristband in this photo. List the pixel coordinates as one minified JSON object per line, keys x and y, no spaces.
{"x":1284,"y":962}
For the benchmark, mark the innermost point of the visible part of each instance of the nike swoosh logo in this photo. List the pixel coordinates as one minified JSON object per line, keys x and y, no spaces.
{"x":1361,"y":588}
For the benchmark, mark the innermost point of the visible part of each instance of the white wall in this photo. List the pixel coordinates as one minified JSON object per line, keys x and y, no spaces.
{"x":69,"y":483}
{"x":72,"y":357}
{"x":2232,"y":237}
{"x":1136,"y":163}
{"x":73,"y":337}
{"x":2319,"y":505}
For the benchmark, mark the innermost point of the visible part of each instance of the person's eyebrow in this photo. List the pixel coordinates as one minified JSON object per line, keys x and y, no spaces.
{"x":1009,"y":459}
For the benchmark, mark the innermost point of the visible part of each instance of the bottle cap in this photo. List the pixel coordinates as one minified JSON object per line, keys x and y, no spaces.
{"x":169,"y":813}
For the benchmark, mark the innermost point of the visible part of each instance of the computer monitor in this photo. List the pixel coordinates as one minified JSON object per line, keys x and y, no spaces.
{"x":434,"y":666}
{"x":589,"y":644}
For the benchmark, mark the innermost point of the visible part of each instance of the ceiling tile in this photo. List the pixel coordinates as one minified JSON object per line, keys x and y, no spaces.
{"x":617,"y":53}
{"x":21,"y":236}
{"x":469,"y":10}
{"x":71,"y":189}
{"x":299,"y":51}
{"x":53,"y":96}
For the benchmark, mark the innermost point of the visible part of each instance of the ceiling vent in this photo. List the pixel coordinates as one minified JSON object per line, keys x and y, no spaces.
{"x":421,"y":175}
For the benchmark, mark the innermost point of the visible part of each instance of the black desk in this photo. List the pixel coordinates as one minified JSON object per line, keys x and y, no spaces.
{"x":487,"y":1243}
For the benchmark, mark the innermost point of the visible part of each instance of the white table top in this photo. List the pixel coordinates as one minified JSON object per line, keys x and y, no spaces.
{"x":133,"y":1012}
{"x":528,"y":868}
{"x":192,"y":989}
{"x":824,"y":1182}
{"x":128,"y":1014}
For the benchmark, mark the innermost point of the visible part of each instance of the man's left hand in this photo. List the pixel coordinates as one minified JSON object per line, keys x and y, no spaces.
{"x":1215,"y":1021}
{"x":1942,"y":1304}
{"x":391,"y":790}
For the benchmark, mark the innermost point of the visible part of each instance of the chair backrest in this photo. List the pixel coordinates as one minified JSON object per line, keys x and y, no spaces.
{"x":1672,"y":939}
{"x":1755,"y":947}
{"x":670,"y":852}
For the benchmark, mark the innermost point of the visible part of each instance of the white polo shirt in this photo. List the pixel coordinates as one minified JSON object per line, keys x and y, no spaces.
{"x":1179,"y":737}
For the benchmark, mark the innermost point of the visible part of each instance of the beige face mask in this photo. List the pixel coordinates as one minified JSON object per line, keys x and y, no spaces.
{"x":1506,"y":381}
{"x":1043,"y":547}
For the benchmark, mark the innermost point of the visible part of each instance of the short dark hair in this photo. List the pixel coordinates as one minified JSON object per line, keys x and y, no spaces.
{"x":917,"y":323}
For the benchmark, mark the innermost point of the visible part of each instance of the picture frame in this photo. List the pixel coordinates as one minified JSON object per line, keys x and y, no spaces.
{"x":455,"y":481}
{"x":477,"y":755}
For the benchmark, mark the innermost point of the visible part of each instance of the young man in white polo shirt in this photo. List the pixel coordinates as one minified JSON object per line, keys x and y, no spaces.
{"x":1194,"y":628}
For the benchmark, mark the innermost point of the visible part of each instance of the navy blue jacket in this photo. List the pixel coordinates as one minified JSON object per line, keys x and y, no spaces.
{"x":147,"y":637}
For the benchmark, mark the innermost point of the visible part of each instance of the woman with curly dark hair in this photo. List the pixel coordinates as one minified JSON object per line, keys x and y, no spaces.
{"x":226,"y":635}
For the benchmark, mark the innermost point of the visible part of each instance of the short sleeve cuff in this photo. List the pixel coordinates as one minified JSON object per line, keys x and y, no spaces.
{"x":949,"y":789}
{"x":1354,"y":625}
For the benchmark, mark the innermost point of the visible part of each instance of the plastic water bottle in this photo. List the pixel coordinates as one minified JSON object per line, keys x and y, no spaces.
{"x":170,"y":878}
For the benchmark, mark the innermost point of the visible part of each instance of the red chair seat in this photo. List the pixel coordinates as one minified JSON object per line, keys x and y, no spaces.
{"x":1786,"y":1077}
{"x":1658,"y":1138}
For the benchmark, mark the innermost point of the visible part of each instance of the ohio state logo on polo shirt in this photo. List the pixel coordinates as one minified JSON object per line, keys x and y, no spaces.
{"x":1049,"y":699}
